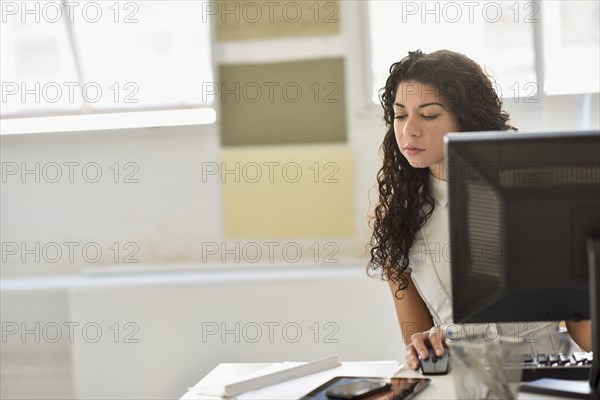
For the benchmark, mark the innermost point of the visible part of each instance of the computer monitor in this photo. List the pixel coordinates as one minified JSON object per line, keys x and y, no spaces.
{"x":524,"y":209}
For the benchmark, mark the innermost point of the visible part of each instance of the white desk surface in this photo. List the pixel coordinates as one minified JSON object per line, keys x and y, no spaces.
{"x":441,"y":386}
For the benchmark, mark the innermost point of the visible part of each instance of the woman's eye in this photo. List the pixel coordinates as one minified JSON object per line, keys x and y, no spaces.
{"x":399,"y":116}
{"x":429,"y":116}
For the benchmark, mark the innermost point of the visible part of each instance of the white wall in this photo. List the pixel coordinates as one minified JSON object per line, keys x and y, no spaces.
{"x":168,"y":214}
{"x":114,"y":336}
{"x":187,"y":328}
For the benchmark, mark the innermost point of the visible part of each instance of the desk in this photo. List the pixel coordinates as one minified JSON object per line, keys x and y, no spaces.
{"x":441,"y":386}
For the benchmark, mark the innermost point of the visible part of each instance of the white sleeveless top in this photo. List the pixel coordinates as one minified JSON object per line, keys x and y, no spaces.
{"x":429,"y":265}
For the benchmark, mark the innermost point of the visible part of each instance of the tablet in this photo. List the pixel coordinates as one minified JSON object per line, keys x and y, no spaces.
{"x":399,"y":388}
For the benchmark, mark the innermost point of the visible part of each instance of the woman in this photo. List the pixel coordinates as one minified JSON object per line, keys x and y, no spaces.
{"x":425,"y":97}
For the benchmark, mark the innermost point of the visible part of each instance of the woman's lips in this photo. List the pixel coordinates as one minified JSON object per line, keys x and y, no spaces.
{"x":412,"y":151}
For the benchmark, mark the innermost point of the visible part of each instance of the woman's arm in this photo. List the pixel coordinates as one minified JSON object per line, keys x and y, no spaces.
{"x":581,"y":332}
{"x":415,"y":321}
{"x":411,"y":310}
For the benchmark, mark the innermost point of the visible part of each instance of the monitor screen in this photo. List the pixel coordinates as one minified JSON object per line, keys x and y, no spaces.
{"x":521,"y":207}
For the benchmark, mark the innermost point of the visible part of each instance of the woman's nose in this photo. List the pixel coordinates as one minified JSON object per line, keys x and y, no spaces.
{"x":411,"y":127}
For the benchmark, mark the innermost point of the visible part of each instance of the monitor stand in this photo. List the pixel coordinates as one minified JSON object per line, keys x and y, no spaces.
{"x":580,"y":389}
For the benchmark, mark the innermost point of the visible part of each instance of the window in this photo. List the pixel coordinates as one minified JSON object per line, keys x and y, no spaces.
{"x":502,"y":36}
{"x":571,"y":31}
{"x":82,"y":57}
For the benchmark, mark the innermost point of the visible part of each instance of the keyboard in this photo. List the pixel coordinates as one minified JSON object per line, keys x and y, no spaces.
{"x":561,"y":366}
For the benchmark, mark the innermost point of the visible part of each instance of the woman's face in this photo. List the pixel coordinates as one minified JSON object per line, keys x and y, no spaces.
{"x":421,"y":119}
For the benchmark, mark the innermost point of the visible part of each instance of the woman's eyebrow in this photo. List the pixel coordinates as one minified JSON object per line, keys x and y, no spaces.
{"x":422,"y":105}
{"x":432,"y":104}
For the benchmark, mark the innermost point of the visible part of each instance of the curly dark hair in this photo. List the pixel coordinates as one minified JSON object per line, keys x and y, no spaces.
{"x":405,"y":198}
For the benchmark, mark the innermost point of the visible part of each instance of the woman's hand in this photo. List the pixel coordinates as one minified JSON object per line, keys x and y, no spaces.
{"x":420,"y":342}
{"x":581,"y":333}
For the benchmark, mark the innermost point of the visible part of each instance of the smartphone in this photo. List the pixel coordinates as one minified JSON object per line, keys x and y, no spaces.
{"x":357,"y":389}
